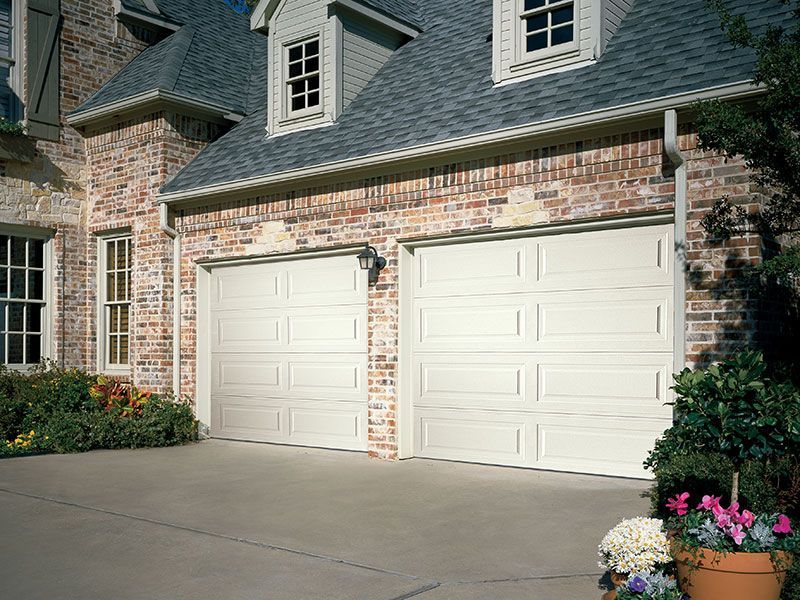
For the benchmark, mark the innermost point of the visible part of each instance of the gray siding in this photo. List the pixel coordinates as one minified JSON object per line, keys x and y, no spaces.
{"x":294,"y":20}
{"x":365,"y":49}
{"x":613,"y":13}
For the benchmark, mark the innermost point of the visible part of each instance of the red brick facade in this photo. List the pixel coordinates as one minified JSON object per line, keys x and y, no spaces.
{"x":48,"y":190}
{"x":591,"y":178}
{"x":108,"y":180}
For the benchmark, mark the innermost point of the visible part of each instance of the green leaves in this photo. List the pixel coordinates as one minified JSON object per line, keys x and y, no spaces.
{"x":734,"y":409}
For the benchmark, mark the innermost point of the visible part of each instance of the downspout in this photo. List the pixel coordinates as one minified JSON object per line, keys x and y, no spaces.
{"x":176,"y":297}
{"x":681,"y":189}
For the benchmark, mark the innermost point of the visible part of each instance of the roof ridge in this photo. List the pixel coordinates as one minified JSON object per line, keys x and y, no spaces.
{"x":176,"y":57}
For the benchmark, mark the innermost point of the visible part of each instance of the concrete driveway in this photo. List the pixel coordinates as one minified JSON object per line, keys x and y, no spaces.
{"x":233,"y":520}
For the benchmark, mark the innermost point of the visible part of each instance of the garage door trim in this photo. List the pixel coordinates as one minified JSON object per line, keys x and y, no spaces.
{"x":203,"y":310}
{"x":405,"y":417}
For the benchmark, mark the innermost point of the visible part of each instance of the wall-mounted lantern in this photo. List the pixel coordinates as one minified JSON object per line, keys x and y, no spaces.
{"x":369,"y":260}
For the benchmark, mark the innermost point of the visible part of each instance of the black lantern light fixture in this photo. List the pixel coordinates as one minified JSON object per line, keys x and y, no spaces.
{"x":369,"y":260}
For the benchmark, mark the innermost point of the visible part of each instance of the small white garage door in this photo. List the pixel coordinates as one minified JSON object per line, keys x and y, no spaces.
{"x":288,"y":344}
{"x":553,"y":352}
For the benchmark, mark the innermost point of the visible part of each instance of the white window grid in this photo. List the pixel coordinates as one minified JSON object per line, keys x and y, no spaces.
{"x":544,"y":24}
{"x":303,"y":79}
{"x":116,"y":295}
{"x":23,"y":293}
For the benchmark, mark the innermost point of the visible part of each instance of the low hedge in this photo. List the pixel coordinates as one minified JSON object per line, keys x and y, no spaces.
{"x":56,"y":410}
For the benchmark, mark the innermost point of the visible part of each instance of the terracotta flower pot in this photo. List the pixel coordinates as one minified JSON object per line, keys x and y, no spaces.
{"x":617,"y":579}
{"x":708,"y":575}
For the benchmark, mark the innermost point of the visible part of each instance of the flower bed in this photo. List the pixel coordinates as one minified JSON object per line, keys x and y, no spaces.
{"x":55,"y":410}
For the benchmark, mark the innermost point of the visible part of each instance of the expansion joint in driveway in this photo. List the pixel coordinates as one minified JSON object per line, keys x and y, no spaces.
{"x":222,"y":536}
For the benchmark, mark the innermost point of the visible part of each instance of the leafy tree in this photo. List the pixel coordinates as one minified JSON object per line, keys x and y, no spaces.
{"x":767,"y":137}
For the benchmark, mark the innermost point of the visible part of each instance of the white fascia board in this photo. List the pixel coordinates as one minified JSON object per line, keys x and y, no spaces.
{"x":656,"y":106}
{"x":150,"y":19}
{"x":152,"y":97}
{"x":379,"y":17}
{"x":261,"y":15}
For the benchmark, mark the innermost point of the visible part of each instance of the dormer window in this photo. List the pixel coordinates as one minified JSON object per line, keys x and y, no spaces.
{"x":303,"y":77}
{"x":547,"y":24}
{"x":532,"y":38}
{"x":322,"y":53}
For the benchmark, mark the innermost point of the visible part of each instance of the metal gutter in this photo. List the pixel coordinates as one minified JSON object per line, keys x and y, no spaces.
{"x":147,"y":99}
{"x":681,"y":191}
{"x":163,"y":214}
{"x":647,"y":108}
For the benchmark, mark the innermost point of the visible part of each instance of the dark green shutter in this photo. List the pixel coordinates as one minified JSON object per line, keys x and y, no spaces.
{"x":42,"y":67}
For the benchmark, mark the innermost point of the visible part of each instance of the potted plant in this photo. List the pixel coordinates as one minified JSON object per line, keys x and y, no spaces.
{"x":730,"y":553}
{"x":734,"y":409}
{"x":655,"y":585}
{"x":634,"y":546}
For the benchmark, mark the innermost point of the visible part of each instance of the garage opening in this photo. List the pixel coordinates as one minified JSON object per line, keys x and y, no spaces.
{"x":288,"y":352}
{"x":553,"y":352}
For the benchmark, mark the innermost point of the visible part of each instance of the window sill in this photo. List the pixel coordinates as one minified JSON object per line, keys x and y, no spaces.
{"x":124,"y":374}
{"x":543,"y":57}
{"x":301,"y":118}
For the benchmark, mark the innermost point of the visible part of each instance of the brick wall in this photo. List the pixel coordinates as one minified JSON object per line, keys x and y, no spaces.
{"x":127,"y":163}
{"x":625,"y":174}
{"x":48,"y":188}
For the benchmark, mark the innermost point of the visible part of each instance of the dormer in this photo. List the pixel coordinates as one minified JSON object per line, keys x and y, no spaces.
{"x":536,"y":37}
{"x":322,"y":53}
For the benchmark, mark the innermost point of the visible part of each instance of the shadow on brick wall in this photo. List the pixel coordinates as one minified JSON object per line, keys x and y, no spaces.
{"x":750,"y":312}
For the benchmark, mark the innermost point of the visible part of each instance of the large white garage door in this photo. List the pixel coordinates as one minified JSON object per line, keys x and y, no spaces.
{"x":289,"y":352}
{"x":552,"y":352}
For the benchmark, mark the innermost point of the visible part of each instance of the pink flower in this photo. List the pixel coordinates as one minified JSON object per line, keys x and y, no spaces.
{"x":746,"y":518}
{"x":709,"y":502}
{"x":783,"y":525}
{"x":717,"y":510}
{"x":724,"y":520}
{"x":678,"y":503}
{"x":737,"y":533}
{"x":733,"y":509}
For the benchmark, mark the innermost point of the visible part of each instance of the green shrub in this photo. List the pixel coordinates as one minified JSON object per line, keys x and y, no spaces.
{"x":59,"y":407}
{"x":736,"y":410}
{"x":763,"y":487}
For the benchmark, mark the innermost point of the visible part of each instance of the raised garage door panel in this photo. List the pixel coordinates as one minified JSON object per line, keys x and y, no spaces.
{"x":288,"y":359}
{"x":545,"y":351}
{"x":573,"y":261}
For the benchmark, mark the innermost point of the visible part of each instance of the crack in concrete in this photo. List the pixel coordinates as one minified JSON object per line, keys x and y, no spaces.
{"x":431,"y":585}
{"x":418,"y":592}
{"x":529,"y":578}
{"x":214,"y":534}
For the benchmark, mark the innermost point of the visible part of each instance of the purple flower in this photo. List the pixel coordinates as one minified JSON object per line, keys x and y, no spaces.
{"x":637,"y":584}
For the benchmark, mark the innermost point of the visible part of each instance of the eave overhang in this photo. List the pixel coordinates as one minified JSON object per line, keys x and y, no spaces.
{"x":263,"y":184}
{"x":153,"y":99}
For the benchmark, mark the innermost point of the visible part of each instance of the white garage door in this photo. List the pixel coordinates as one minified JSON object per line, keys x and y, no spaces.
{"x":552,"y":352}
{"x":289,"y":352}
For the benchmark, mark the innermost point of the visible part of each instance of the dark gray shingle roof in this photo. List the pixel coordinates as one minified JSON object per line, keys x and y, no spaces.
{"x":210,"y":58}
{"x":438,"y":87}
{"x":405,"y":10}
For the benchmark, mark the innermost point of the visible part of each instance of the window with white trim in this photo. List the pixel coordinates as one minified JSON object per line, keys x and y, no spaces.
{"x":9,"y":67}
{"x":303,"y":77}
{"x":115,"y":296}
{"x":547,"y":24}
{"x":22,"y":299}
